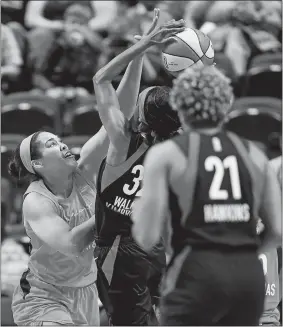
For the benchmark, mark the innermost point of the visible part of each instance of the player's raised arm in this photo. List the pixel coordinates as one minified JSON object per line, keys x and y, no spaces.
{"x":53,"y":230}
{"x":150,"y":210}
{"x":111,"y":116}
{"x":96,"y":147}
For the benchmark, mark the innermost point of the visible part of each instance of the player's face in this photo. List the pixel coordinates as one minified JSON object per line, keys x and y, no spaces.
{"x":55,"y":155}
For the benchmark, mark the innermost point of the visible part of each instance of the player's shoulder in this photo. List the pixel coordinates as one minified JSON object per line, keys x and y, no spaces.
{"x":163,"y":153}
{"x":35,"y":205}
{"x":276,"y":163}
{"x":257,"y":154}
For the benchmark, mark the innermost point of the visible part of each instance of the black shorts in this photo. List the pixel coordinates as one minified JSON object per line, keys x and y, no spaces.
{"x":128,"y":281}
{"x":206,"y":288}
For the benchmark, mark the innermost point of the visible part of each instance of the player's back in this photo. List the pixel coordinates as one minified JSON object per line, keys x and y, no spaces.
{"x":214,"y":197}
{"x":220,"y":192}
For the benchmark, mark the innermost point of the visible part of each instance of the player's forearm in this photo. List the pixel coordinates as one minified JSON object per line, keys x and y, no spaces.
{"x":83,"y":234}
{"x":118,"y":64}
{"x":77,"y":239}
{"x":128,"y":89}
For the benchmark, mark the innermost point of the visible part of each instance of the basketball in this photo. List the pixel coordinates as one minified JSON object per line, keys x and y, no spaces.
{"x":188,"y":48}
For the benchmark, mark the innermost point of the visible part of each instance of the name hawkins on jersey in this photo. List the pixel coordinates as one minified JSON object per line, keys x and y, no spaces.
{"x":226,"y":213}
{"x":121,"y":205}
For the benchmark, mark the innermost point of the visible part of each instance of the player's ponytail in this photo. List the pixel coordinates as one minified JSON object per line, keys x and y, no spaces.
{"x":17,"y":169}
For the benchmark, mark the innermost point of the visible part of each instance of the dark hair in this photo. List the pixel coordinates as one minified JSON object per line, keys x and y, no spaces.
{"x":159,"y":117}
{"x":17,"y":169}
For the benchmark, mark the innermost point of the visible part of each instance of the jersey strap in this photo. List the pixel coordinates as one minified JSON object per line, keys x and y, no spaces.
{"x":99,"y":176}
{"x":254,"y":171}
{"x":136,"y":141}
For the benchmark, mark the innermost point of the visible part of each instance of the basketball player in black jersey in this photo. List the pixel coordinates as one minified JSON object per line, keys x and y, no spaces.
{"x":128,"y":278}
{"x":215,"y":185}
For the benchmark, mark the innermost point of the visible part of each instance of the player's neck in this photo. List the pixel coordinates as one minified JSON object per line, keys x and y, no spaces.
{"x":208,"y":130}
{"x":60,"y":187}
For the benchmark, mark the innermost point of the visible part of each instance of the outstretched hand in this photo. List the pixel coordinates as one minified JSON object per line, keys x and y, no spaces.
{"x":164,"y":33}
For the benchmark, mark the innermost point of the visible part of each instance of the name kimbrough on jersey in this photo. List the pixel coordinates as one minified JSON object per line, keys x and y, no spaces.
{"x":121,"y":205}
{"x":229,"y":213}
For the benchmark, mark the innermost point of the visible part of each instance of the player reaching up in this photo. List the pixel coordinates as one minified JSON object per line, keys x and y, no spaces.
{"x":128,"y":278}
{"x":58,"y":212}
{"x":215,"y":185}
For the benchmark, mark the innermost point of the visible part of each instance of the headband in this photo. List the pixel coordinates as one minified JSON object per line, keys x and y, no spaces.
{"x":25,"y":153}
{"x":141,"y":101}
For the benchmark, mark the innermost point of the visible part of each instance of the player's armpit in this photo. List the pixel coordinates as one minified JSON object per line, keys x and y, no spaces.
{"x":43,"y":218}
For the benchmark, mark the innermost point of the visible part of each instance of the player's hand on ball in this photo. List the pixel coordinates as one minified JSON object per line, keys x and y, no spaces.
{"x":164,"y":33}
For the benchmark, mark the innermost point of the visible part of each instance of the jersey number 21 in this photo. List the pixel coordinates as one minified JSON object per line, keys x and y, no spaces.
{"x":214,"y":163}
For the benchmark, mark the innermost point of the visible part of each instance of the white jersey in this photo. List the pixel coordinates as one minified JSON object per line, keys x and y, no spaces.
{"x":50,"y":265}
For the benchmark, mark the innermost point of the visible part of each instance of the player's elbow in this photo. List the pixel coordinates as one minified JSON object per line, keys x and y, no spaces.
{"x":100,"y":77}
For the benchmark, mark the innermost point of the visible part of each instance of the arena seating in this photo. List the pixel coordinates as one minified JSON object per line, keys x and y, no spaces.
{"x":83,"y":120}
{"x":24,"y":113}
{"x":258,"y":119}
{"x":264,"y":76}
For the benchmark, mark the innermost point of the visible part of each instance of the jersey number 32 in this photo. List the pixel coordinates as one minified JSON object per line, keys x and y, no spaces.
{"x":132,"y":189}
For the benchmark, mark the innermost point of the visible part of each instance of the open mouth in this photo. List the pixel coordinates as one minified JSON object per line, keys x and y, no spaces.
{"x":68,"y":155}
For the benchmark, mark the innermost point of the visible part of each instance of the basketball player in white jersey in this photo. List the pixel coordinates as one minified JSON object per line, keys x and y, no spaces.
{"x":58,"y":211}
{"x":215,"y":185}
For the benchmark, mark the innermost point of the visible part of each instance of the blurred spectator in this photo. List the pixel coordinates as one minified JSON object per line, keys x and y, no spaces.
{"x":11,"y":58}
{"x":13,"y":11}
{"x":69,"y":57}
{"x":253,"y":29}
{"x":199,"y":12}
{"x":132,"y":19}
{"x":50,"y":14}
{"x":176,"y":9}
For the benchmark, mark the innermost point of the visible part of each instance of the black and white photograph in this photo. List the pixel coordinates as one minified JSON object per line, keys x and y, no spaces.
{"x":141,"y":163}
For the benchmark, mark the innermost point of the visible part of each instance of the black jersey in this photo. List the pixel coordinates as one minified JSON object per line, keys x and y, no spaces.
{"x":221,"y":195}
{"x":117,"y":191}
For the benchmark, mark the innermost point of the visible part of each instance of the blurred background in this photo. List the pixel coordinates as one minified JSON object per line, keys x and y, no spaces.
{"x":50,"y":51}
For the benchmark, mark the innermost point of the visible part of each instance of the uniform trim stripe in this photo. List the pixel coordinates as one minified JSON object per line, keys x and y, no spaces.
{"x":257,"y":180}
{"x":109,"y":262}
{"x":193,"y":160}
{"x":112,"y":173}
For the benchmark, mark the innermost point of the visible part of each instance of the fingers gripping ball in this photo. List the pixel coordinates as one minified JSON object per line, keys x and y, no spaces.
{"x":190,"y":47}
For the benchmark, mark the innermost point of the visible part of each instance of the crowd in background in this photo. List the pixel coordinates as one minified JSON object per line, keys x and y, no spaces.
{"x":52,"y":49}
{"x":51,"y":45}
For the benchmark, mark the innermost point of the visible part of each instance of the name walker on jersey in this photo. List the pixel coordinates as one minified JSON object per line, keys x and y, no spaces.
{"x":121,"y":205}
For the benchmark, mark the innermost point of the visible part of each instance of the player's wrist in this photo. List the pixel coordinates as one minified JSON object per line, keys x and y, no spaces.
{"x":145,"y":42}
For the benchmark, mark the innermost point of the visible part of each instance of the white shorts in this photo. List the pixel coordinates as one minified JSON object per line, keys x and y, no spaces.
{"x":42,"y":302}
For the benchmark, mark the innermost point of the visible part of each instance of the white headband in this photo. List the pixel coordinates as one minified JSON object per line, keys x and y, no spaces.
{"x":25,"y":153}
{"x":141,"y":101}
